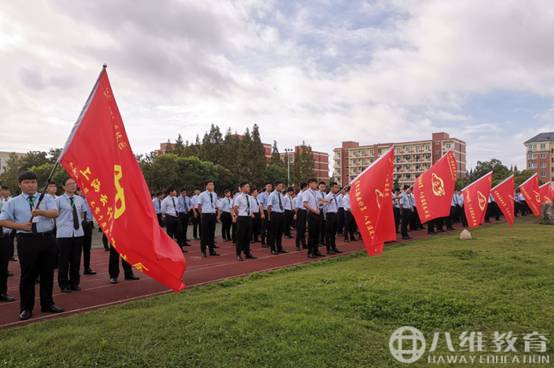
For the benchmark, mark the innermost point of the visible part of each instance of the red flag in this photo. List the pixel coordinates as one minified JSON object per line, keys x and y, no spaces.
{"x":546,"y":192}
{"x":98,"y":156}
{"x":530,"y":191}
{"x":476,"y":199}
{"x":371,"y":203}
{"x":433,"y":190}
{"x":503,"y":194}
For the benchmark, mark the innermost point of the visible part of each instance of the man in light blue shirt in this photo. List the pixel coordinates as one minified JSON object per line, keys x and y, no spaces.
{"x":207,"y":206}
{"x":88,"y":226}
{"x":406,"y":209}
{"x":225,"y":205}
{"x":196,"y":231}
{"x":331,"y":210}
{"x":33,"y":219}
{"x":157,"y":203}
{"x":301,"y":219}
{"x":276,"y":213}
{"x":184,"y":205}
{"x":263,"y":198}
{"x":70,"y":236}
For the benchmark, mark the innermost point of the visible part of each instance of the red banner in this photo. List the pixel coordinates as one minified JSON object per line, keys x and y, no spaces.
{"x":371,"y":203}
{"x":433,"y":190}
{"x":503,"y":194}
{"x":98,"y":156}
{"x":476,"y":200}
{"x":547,"y":194}
{"x":530,"y":191}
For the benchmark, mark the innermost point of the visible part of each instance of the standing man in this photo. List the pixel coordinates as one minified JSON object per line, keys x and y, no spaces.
{"x":4,"y":260}
{"x":171,"y":215}
{"x":113,"y":267}
{"x":207,"y":206}
{"x":276,"y":213}
{"x":406,"y":210}
{"x":195,"y":215}
{"x":322,"y":193}
{"x":289,"y":214}
{"x":257,"y":212}
{"x":183,"y":207}
{"x":331,"y":210}
{"x":242,"y":216}
{"x":88,"y":227}
{"x":349,"y":223}
{"x":301,"y":218}
{"x":263,"y":198}
{"x":36,"y":244}
{"x":396,"y":209}
{"x":157,"y":203}
{"x":52,"y":189}
{"x":225,"y":207}
{"x":70,"y":236}
{"x":311,"y":204}
{"x":340,"y":213}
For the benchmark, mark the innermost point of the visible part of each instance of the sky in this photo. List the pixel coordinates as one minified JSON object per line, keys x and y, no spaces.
{"x":317,"y":71}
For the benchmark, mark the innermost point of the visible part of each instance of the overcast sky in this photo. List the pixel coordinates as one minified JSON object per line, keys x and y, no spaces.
{"x":319,"y":71}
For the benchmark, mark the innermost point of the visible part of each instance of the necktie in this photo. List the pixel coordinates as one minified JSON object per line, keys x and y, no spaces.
{"x":211,"y":199}
{"x":31,"y":200}
{"x":75,"y":216}
{"x":248,"y":205}
{"x":336,"y":203}
{"x":280,"y":202}
{"x":174,"y":206}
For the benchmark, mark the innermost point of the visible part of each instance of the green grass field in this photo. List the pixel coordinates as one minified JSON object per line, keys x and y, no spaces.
{"x":339,"y":313}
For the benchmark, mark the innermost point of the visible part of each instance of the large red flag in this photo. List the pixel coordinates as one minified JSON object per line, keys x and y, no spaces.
{"x":98,"y":156}
{"x":546,"y":192}
{"x":476,"y":199}
{"x":371,"y":203}
{"x":433,"y":190}
{"x":503,"y":194}
{"x":530,"y":191}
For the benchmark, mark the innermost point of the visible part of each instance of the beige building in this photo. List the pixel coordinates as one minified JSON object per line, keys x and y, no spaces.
{"x":4,"y":157}
{"x":411,"y":158}
{"x":540,"y":155}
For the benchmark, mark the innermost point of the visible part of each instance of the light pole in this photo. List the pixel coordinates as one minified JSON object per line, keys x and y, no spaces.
{"x":287,"y":151}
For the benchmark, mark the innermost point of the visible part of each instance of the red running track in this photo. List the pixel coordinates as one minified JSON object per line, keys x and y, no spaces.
{"x":97,"y":291}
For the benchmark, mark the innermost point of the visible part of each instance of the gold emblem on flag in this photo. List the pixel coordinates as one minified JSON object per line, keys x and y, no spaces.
{"x":378,"y":197}
{"x":537,"y":196}
{"x":437,"y":184}
{"x":482,"y":200}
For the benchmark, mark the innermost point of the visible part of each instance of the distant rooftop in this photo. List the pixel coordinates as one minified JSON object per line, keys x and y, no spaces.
{"x":542,"y":137}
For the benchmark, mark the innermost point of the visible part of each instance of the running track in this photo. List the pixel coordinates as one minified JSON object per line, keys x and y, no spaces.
{"x":97,"y":292}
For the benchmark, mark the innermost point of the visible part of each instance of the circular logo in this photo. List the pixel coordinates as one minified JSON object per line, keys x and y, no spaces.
{"x":407,"y":344}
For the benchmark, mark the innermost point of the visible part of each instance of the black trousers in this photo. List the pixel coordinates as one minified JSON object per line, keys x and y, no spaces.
{"x":301,"y":217}
{"x":172,"y":225}
{"x":12,"y":243}
{"x":289,"y":217}
{"x":226,"y":223}
{"x":331,"y":230}
{"x":322,"y":233}
{"x":415,"y":222}
{"x":397,"y":216}
{"x":37,"y":256}
{"x":207,"y":232}
{"x":349,"y":226}
{"x":113,"y":266}
{"x":450,"y":219}
{"x":406,"y":218}
{"x":234,"y":231}
{"x":266,"y":232}
{"x":256,"y":226}
{"x":196,"y":231}
{"x":159,"y":217}
{"x":340,"y":220}
{"x":183,"y":227}
{"x":87,"y":244}
{"x":105,"y":242}
{"x":244,"y":234}
{"x":70,"y":261}
{"x":314,"y":223}
{"x":4,"y":261}
{"x":463,"y":217}
{"x":276,"y":231}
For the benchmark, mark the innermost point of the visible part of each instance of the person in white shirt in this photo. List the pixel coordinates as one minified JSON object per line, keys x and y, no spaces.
{"x":301,"y":217}
{"x":170,"y":215}
{"x":288,"y":200}
{"x":242,"y":213}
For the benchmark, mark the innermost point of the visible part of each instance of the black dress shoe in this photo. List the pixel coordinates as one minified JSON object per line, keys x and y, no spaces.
{"x":239,"y":258}
{"x":5,"y":298}
{"x":282,"y":251}
{"x":311,"y":256}
{"x":113,"y":280}
{"x":250,"y":256}
{"x":337,"y":250}
{"x":65,"y":290}
{"x":132,"y":278}
{"x":25,"y":315}
{"x":52,"y":309}
{"x":214,"y":254}
{"x":318,"y":254}
{"x":90,"y":272}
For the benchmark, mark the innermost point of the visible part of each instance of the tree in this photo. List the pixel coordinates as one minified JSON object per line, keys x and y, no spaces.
{"x":303,"y":168}
{"x":276,"y":156}
{"x":179,"y":149}
{"x":274,"y":173}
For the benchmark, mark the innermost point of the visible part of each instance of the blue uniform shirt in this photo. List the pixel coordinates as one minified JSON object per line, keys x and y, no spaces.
{"x":311,"y":197}
{"x":332,"y":205}
{"x":183,"y":204}
{"x":225,"y":204}
{"x":405,"y":201}
{"x":18,"y":210}
{"x":64,"y":221}
{"x":276,"y":201}
{"x":263,"y":199}
{"x":207,"y":201}
{"x":88,"y":212}
{"x":157,"y":205}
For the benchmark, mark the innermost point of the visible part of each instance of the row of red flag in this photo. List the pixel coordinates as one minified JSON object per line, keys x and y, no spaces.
{"x":371,"y":201}
{"x":98,"y":156}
